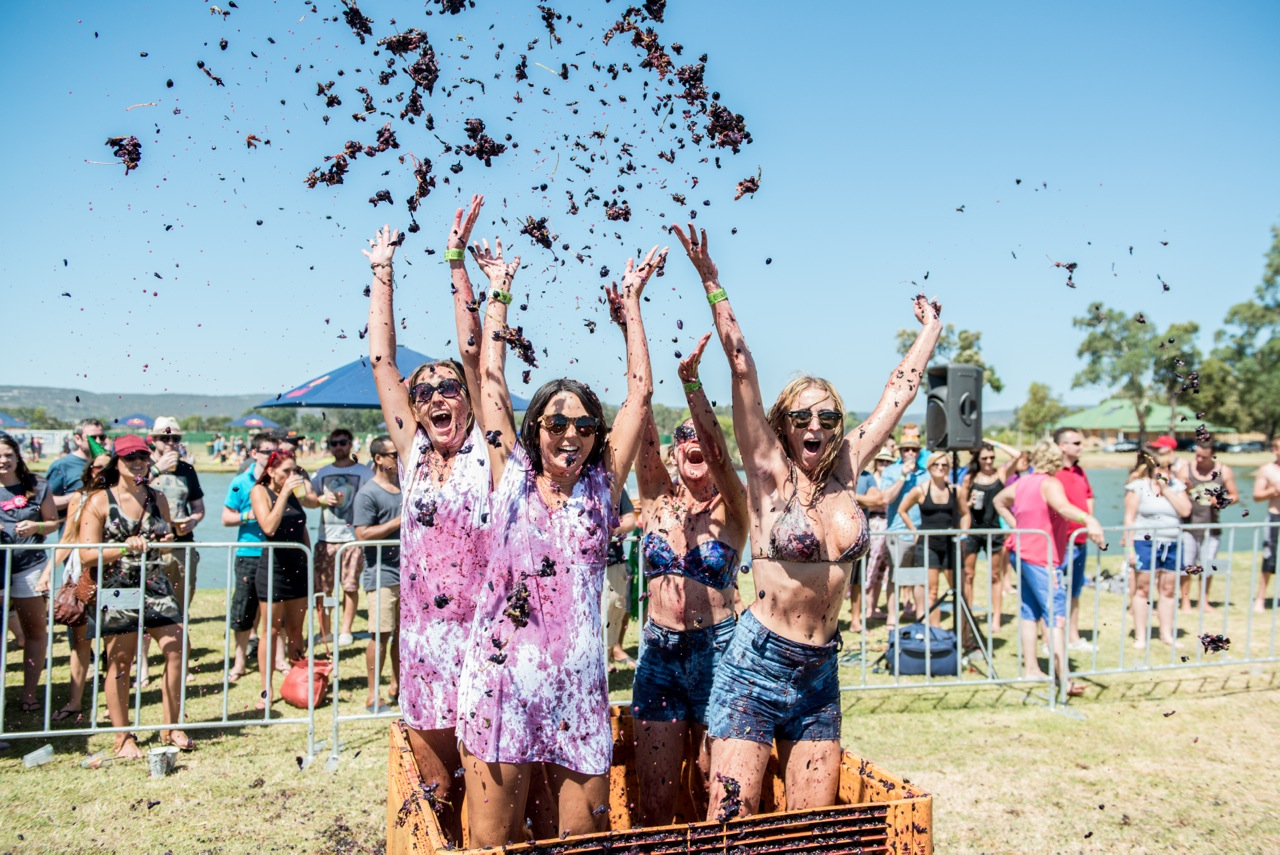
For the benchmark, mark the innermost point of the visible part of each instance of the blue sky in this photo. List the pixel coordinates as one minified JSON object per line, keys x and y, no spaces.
{"x":1128,"y":125}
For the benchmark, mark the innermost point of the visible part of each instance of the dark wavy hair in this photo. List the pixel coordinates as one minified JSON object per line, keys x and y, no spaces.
{"x":974,"y":465}
{"x":538,"y":405}
{"x":26,"y":480}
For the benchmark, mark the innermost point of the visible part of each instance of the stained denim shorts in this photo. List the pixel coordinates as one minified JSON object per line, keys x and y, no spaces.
{"x":673,"y":679}
{"x":768,"y":686}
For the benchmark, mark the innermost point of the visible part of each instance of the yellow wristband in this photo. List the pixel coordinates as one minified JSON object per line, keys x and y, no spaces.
{"x":716,"y":296}
{"x":455,"y":254}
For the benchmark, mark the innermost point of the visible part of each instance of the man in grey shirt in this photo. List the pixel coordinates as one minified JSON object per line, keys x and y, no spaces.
{"x":377,"y":517}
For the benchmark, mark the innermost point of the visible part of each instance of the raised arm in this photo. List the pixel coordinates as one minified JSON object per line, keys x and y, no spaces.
{"x":466,"y":315}
{"x":1004,"y":506}
{"x":1055,"y":496}
{"x":628,"y":426}
{"x":711,"y":437}
{"x":762,"y":454}
{"x":899,"y":392}
{"x":651,"y":473}
{"x":396,"y":410}
{"x":493,"y":408}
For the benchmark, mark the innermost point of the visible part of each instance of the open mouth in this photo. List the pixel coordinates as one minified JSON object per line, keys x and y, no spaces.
{"x":695,"y":456}
{"x":441,"y":420}
{"x":813,"y":446}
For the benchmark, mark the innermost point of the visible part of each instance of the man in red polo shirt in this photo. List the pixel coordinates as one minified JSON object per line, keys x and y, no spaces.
{"x":1076,"y":485}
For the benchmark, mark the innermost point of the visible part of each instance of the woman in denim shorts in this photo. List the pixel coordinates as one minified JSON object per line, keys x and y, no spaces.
{"x":695,"y":527}
{"x":777,"y":679}
{"x":1155,"y":502}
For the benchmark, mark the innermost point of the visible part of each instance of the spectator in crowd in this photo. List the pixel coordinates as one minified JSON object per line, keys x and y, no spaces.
{"x":1266,"y":488}
{"x":978,"y":489}
{"x":237,"y":510}
{"x":120,"y":507}
{"x":940,"y":509}
{"x":617,"y":586}
{"x":1211,"y":486}
{"x":337,"y":485}
{"x":81,"y":649}
{"x":869,"y":498}
{"x":1075,"y":483}
{"x":903,"y":475}
{"x":27,"y":515}
{"x":1032,"y":503}
{"x":64,"y":474}
{"x":376,"y":516}
{"x":878,"y":561}
{"x":1154,"y":502}
{"x":278,"y":498}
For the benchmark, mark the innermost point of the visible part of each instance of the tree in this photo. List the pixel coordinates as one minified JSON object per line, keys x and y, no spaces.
{"x":955,"y":346}
{"x":1174,"y":374}
{"x":1241,"y":379}
{"x":38,"y":419}
{"x":1040,"y":412}
{"x":1120,"y":353}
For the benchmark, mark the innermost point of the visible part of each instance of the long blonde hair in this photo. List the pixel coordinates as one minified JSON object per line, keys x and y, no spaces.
{"x":778,"y":421}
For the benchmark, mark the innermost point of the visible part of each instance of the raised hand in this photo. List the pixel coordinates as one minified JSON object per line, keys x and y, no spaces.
{"x":617,"y":311}
{"x":460,"y":233}
{"x":382,"y":246}
{"x":688,"y":369}
{"x":492,"y":265}
{"x":634,"y":278}
{"x":927,"y":312}
{"x":699,"y":252}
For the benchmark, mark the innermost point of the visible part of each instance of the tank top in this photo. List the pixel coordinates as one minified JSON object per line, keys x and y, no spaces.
{"x":935,"y":515}
{"x":1030,"y":510}
{"x":986,"y":516}
{"x":1203,"y":508}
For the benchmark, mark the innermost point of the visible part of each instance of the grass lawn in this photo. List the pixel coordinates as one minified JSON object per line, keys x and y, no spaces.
{"x":1153,"y":761}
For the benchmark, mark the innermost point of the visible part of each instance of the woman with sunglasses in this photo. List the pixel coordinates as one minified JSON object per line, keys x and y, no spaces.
{"x":120,"y":507}
{"x":978,"y":490}
{"x":278,"y":499}
{"x":445,"y":481}
{"x":940,"y":509}
{"x":27,"y":514}
{"x":778,"y":677}
{"x":534,"y":688}
{"x":695,"y":528}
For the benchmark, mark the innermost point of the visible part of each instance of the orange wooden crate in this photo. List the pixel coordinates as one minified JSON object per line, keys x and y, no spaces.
{"x":877,"y":813}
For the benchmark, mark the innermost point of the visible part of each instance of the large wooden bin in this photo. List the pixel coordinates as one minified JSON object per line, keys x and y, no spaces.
{"x":877,"y":813}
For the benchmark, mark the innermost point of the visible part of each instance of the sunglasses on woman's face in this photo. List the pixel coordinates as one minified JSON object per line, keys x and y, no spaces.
{"x":559,"y":423}
{"x":138,"y":455}
{"x":684,"y":433}
{"x":448,"y":388}
{"x":827,"y":419}
{"x":986,"y":460}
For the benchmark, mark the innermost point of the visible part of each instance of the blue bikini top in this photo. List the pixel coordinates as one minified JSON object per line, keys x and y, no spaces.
{"x":712,"y":563}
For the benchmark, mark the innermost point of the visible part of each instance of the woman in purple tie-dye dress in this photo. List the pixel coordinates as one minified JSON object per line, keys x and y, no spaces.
{"x":534,"y":688}
{"x":445,"y":485}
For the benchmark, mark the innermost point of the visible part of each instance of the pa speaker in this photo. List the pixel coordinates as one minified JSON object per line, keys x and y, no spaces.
{"x":953,"y":414}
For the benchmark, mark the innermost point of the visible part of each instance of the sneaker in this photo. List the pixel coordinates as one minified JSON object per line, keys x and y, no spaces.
{"x":1081,"y":645}
{"x":345,"y":638}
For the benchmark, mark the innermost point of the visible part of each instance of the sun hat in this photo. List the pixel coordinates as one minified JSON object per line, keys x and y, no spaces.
{"x":909,"y":443}
{"x":885,"y":454}
{"x":166,"y":425}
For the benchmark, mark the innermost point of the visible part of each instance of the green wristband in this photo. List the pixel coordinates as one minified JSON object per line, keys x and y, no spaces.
{"x":501,"y":296}
{"x":716,"y":296}
{"x":692,"y":386}
{"x":454,"y":254}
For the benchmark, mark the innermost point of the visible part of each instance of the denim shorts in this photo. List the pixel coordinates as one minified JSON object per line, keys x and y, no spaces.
{"x":1164,"y":553}
{"x":1079,"y":563}
{"x":1040,"y":589}
{"x":770,"y":687}
{"x":673,"y":679}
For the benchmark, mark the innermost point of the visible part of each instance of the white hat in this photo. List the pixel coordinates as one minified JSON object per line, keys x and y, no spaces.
{"x":164,"y":426}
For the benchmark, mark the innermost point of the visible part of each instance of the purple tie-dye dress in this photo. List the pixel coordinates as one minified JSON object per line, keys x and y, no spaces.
{"x":442,"y":561}
{"x":533,"y":685}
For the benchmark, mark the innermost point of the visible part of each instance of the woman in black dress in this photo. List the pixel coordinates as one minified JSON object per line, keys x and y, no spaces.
{"x":278,"y":499}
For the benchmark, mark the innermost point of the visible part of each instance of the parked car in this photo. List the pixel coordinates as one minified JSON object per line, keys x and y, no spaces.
{"x":1242,"y":447}
{"x":1122,"y":445}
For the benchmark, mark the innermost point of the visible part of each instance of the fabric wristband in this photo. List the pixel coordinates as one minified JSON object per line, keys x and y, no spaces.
{"x":455,"y":254}
{"x":376,"y":264}
{"x":716,"y":296}
{"x":692,"y":385}
{"x":501,"y":296}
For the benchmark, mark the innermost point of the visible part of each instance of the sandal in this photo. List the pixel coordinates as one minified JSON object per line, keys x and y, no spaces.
{"x":1075,"y":690}
{"x":235,"y":674}
{"x":64,"y":714}
{"x":30,"y":706}
{"x":177,"y":739}
{"x":122,"y":747}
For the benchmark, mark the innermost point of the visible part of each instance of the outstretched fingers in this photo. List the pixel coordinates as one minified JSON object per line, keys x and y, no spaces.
{"x":688,"y":369}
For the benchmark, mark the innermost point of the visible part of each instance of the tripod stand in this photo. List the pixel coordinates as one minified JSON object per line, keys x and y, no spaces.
{"x":960,"y":610}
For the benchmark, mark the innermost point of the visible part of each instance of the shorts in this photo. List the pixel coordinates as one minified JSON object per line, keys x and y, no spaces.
{"x":1200,"y":548}
{"x":900,"y":552}
{"x":617,"y":580}
{"x":385,"y":603}
{"x":181,"y":571}
{"x":976,"y":543}
{"x":768,"y":687}
{"x":1080,"y":560}
{"x":941,"y":552}
{"x":676,"y":670}
{"x":244,"y":598}
{"x":352,"y":567}
{"x":1165,"y":555}
{"x":24,"y":583}
{"x":1040,"y":589}
{"x":1269,"y":544}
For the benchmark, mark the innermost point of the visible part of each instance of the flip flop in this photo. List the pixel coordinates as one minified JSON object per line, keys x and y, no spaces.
{"x":30,"y":706}
{"x":185,"y":743}
{"x":63,"y":714}
{"x":1075,"y":690}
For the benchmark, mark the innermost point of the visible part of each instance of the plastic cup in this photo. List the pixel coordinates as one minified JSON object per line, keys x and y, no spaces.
{"x":160,"y":761}
{"x":979,"y":499}
{"x":39,"y":757}
{"x":300,"y":491}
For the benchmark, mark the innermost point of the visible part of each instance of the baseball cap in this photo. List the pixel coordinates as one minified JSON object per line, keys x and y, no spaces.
{"x":1164,"y":441}
{"x":130,"y":444}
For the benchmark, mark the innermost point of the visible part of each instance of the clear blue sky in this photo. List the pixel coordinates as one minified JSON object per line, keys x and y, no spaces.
{"x":1128,"y":124}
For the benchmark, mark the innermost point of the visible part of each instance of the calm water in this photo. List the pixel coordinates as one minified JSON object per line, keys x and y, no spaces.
{"x":1108,"y":489}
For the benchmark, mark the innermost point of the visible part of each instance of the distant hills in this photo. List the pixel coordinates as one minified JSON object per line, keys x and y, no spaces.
{"x":62,"y":403}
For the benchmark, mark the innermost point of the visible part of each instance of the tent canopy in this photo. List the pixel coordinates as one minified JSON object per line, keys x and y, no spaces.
{"x":351,"y":386}
{"x":8,"y":421}
{"x":252,"y":420}
{"x":134,"y":420}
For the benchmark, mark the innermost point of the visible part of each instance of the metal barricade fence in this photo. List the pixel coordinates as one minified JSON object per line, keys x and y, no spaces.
{"x":134,"y":599}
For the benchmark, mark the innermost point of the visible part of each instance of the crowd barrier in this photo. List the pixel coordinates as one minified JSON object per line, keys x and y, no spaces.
{"x":1104,"y":617}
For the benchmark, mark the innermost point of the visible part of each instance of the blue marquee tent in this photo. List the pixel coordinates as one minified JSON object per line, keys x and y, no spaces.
{"x":254,"y":421}
{"x":8,"y":421}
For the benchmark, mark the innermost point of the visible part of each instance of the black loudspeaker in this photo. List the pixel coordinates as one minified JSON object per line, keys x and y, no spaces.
{"x":953,"y":414}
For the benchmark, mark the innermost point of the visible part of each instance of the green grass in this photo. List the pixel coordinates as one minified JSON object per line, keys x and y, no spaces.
{"x":1006,"y":773}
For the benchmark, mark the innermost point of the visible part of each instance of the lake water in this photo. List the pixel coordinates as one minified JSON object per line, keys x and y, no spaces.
{"x":1108,"y":489}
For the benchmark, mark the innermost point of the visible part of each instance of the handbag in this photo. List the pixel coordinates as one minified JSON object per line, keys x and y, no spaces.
{"x":68,"y":608}
{"x":298,"y":691}
{"x":907,"y":647}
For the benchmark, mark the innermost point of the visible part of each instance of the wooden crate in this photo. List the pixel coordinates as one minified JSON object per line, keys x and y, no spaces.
{"x":877,"y":813}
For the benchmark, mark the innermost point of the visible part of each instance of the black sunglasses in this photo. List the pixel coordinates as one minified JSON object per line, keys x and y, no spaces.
{"x":827,"y":419}
{"x":448,"y":388}
{"x":137,"y":455}
{"x":684,"y":433}
{"x":168,"y":437}
{"x":559,"y":423}
{"x":333,"y":442}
